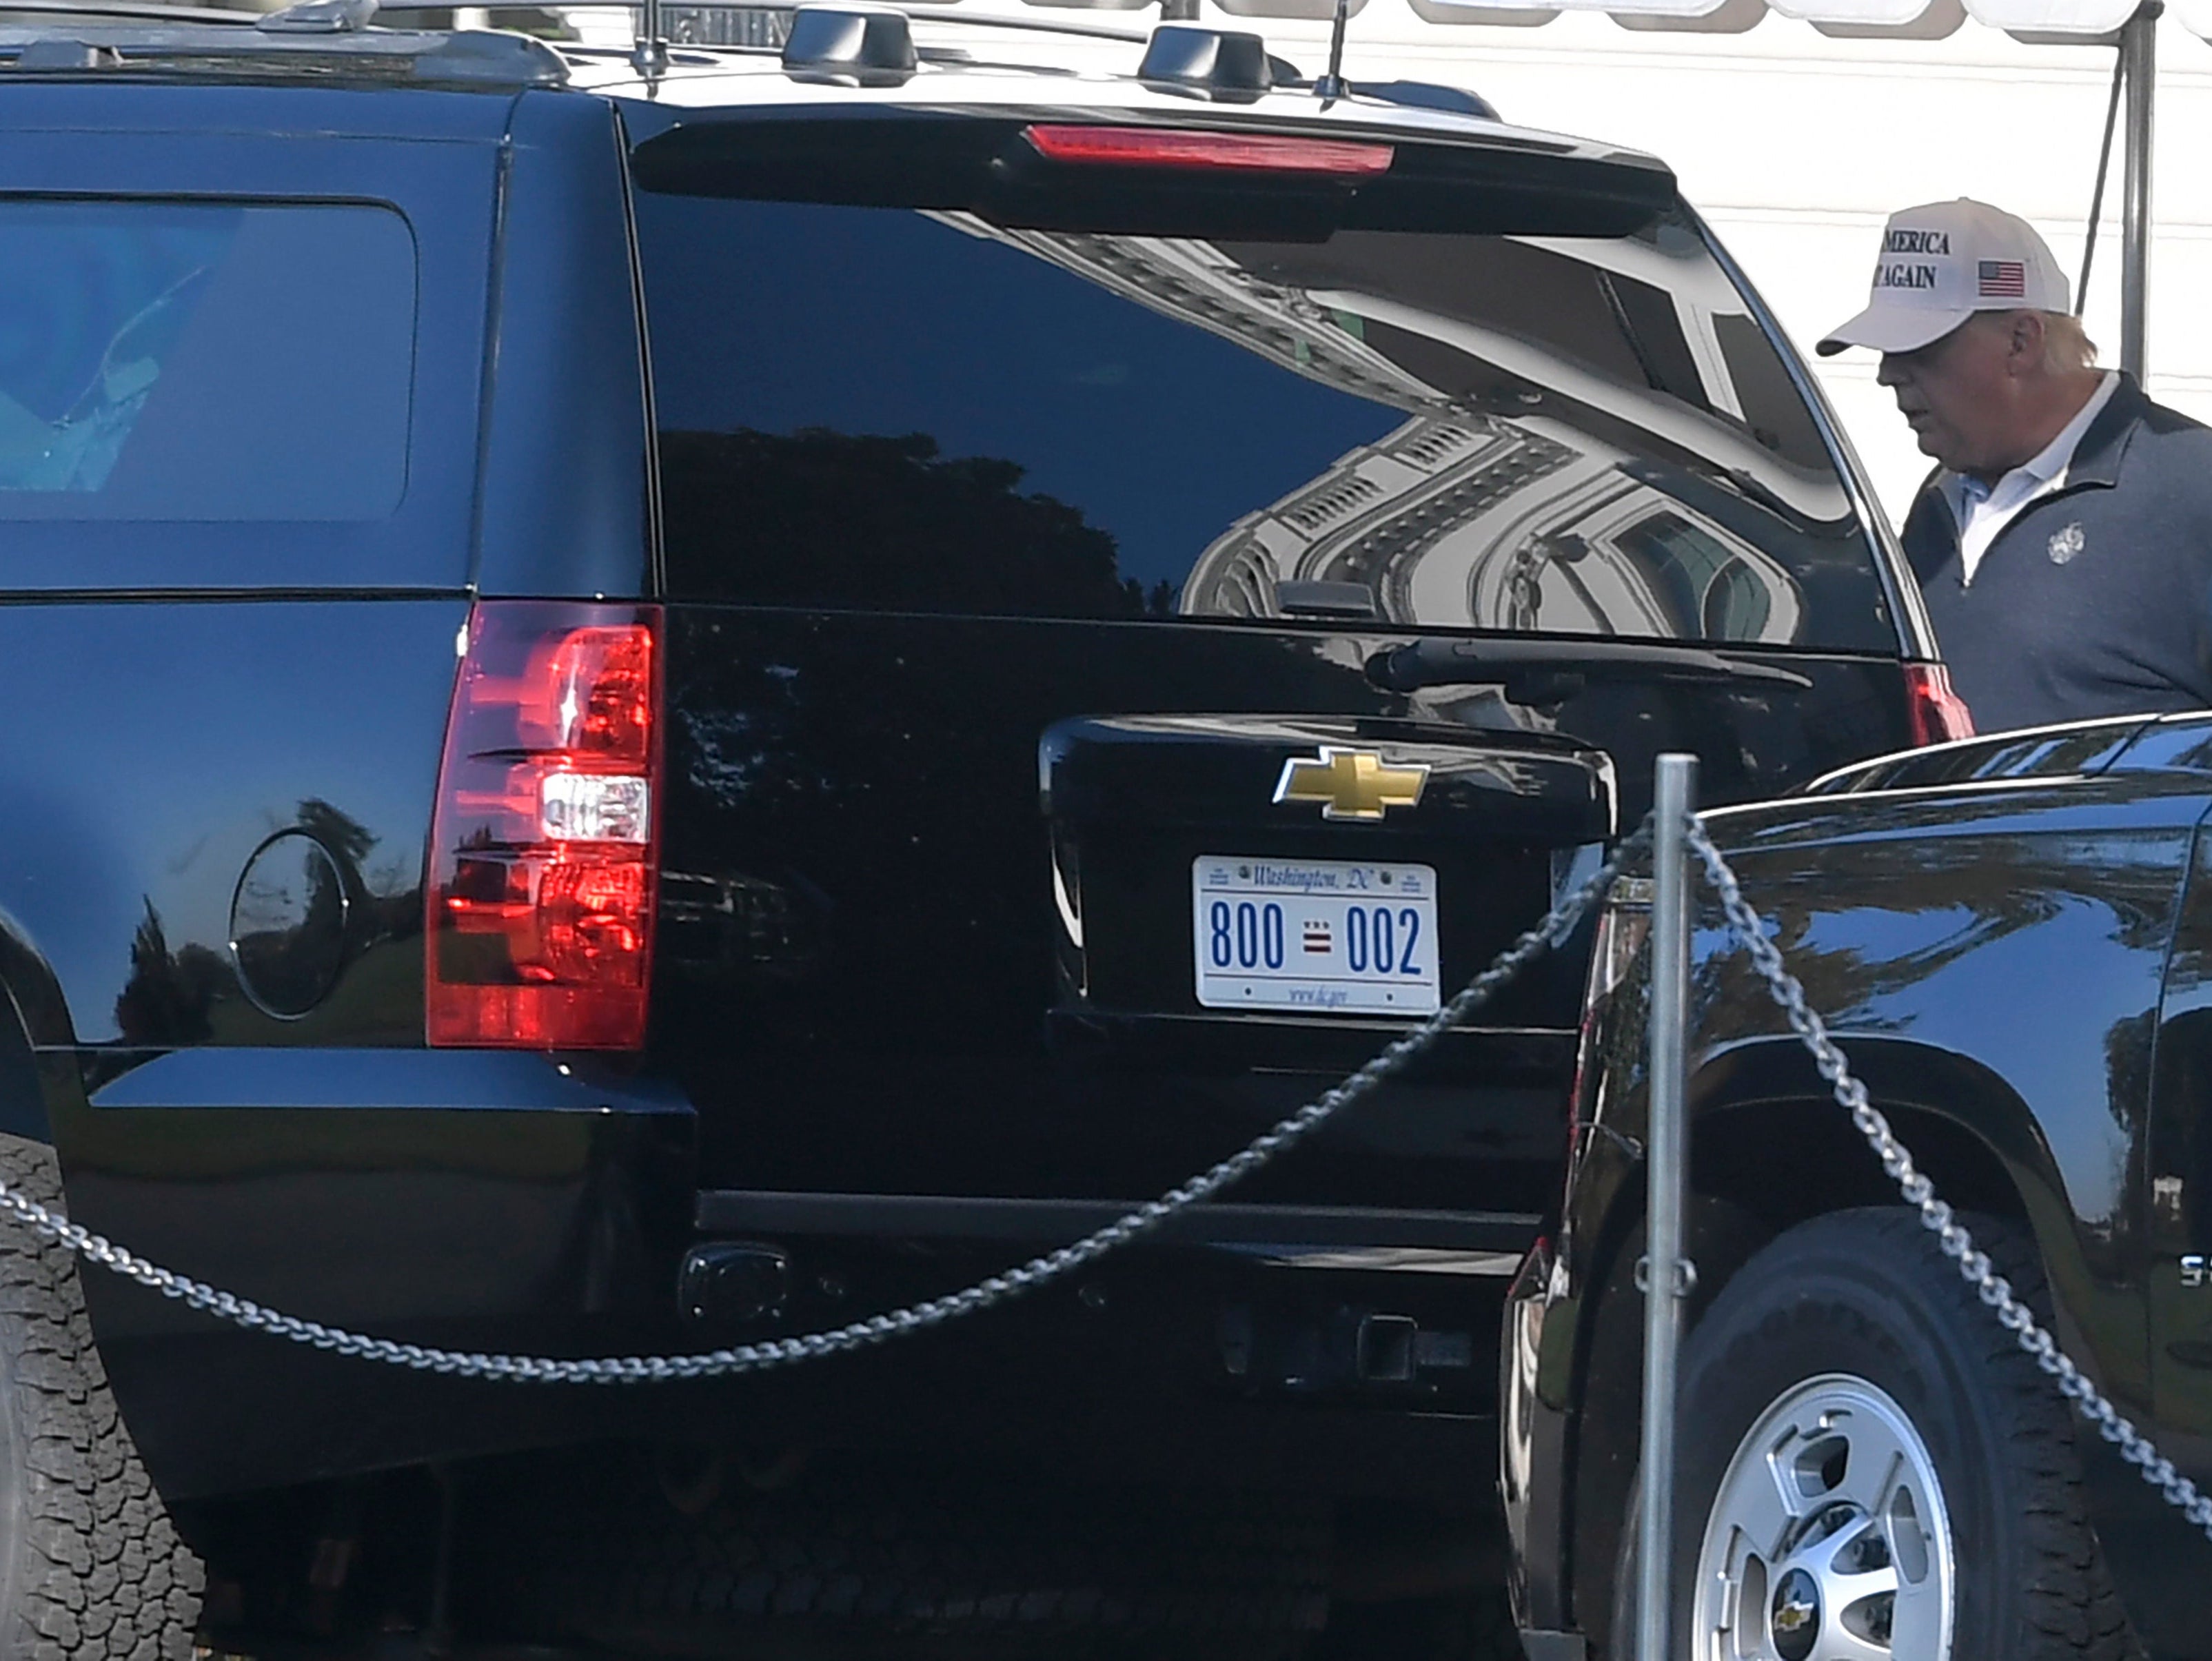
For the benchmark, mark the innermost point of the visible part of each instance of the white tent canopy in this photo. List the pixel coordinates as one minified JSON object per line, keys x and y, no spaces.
{"x":2130,"y":25}
{"x":1905,"y":18}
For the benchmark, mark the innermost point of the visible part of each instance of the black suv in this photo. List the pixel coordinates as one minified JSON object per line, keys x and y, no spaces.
{"x":670,"y":697}
{"x":2011,"y":939}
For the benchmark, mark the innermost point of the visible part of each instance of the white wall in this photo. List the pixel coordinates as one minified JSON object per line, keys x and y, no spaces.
{"x":1797,"y":146}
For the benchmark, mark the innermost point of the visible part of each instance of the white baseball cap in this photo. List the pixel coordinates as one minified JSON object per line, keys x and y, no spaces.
{"x":1941,"y":264}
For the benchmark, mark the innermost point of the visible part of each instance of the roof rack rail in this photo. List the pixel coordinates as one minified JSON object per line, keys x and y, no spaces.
{"x":61,"y":54}
{"x":135,"y":11}
{"x":318,"y":41}
{"x":1202,"y":56}
{"x":922,"y":11}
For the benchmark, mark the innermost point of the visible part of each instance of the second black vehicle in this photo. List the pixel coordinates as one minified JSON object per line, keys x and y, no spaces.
{"x":2011,"y":939}
{"x":682,"y":701}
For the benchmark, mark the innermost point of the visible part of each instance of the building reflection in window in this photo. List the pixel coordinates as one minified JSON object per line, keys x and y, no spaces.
{"x":1587,"y":436}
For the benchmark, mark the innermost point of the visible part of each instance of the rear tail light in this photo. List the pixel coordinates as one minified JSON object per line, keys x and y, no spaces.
{"x":544,"y":849}
{"x":1169,"y":147}
{"x":1935,"y":714}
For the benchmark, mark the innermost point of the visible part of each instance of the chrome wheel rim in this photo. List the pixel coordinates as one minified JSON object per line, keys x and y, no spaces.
{"x":1828,"y":1539}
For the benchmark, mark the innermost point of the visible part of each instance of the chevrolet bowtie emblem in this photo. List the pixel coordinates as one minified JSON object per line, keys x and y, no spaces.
{"x":1350,"y":784}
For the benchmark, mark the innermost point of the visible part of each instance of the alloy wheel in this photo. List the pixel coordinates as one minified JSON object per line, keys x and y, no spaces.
{"x":1828,"y":1539}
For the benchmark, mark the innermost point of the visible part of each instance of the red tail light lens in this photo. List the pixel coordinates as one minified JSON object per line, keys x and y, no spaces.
{"x":544,"y":850}
{"x":1936,"y":713}
{"x":1169,"y":146}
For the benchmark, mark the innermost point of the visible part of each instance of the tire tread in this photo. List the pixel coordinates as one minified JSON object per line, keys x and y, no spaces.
{"x":101,"y":1573}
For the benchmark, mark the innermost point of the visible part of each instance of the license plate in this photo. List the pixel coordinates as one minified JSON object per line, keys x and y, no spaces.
{"x":1321,"y":937}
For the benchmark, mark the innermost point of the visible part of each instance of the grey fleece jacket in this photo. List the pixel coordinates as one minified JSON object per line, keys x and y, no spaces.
{"x":2095,"y":599}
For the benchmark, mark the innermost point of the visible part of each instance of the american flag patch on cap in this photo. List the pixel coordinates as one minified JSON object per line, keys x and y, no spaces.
{"x":2003,"y":279}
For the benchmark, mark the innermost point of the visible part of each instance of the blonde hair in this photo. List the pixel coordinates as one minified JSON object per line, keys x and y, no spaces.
{"x":2066,"y":345}
{"x":2067,"y":348}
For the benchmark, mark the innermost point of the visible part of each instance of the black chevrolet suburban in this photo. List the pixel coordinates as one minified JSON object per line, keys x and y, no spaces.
{"x":675,"y":695}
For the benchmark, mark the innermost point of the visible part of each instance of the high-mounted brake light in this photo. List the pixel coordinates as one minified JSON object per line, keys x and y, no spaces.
{"x":1935,"y":715}
{"x":1169,"y":147}
{"x":544,"y":848}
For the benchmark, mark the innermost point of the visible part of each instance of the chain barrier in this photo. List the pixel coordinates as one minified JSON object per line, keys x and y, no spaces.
{"x":1955,"y":1241}
{"x":1551,"y":931}
{"x":1745,"y":923}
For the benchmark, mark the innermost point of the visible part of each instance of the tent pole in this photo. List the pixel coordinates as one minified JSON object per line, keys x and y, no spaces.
{"x":2103,"y":172}
{"x":2139,"y":47}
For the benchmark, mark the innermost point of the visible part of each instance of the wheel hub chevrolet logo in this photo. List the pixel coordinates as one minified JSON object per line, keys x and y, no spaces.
{"x":1351,"y":784}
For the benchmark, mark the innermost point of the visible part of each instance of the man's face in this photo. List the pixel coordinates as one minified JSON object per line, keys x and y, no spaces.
{"x":1956,"y":393}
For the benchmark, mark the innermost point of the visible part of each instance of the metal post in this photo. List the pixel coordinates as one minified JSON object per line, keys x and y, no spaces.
{"x":2139,"y":51}
{"x":1664,"y":1272}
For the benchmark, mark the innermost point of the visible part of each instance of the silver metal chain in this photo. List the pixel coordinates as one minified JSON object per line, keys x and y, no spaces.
{"x":1554,"y":928}
{"x":1951,"y":1235}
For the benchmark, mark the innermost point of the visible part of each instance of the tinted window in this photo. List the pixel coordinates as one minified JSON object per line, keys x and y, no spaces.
{"x":162,"y":360}
{"x":872,"y":407}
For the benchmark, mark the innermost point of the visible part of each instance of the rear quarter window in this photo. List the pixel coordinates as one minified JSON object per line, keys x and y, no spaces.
{"x":178,"y":361}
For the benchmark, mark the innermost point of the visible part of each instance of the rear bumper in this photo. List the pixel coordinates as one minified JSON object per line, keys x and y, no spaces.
{"x":523,"y":1203}
{"x":1234,"y":1317}
{"x":478,"y":1200}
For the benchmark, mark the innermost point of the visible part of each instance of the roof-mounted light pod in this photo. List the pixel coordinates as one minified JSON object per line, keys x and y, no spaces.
{"x":1219,"y":60}
{"x":850,"y":39}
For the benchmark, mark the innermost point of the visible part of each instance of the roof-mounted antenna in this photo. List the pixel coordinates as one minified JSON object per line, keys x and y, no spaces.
{"x":650,"y":54}
{"x":1331,"y":85}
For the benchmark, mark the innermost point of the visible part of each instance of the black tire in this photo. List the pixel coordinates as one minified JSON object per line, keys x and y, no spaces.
{"x":1864,"y":1297}
{"x":843,"y":1566}
{"x":90,"y":1564}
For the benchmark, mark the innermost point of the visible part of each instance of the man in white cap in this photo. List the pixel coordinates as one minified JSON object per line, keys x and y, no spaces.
{"x":2063,"y":543}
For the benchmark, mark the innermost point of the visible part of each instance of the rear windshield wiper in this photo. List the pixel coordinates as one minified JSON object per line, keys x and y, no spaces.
{"x":1550,"y":671}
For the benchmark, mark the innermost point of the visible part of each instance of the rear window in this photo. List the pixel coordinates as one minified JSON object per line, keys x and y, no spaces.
{"x":163,"y":361}
{"x":887,"y":409}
